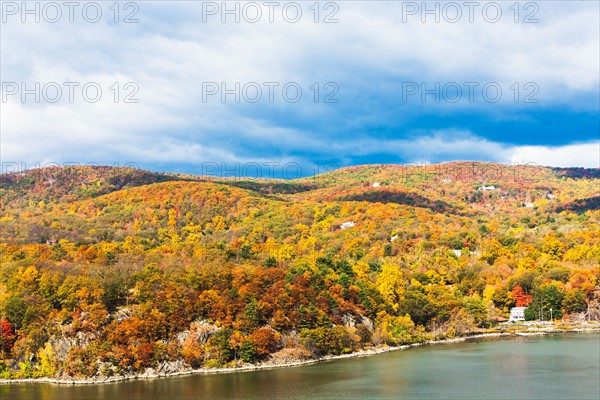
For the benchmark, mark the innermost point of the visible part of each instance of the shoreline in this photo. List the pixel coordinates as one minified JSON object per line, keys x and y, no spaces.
{"x":262,"y":366}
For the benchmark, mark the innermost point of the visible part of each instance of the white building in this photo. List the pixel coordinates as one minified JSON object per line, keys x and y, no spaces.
{"x":346,"y":225}
{"x":492,"y":187}
{"x":376,"y":184}
{"x":517,"y":314}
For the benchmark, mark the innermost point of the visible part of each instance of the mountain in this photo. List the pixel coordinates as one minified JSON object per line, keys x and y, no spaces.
{"x":71,"y":183}
{"x":110,"y":271}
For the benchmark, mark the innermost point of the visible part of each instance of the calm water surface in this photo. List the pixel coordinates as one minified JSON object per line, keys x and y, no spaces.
{"x":549,"y":367}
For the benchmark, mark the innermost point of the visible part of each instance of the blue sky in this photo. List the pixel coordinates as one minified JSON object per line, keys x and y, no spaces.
{"x":402,"y":87}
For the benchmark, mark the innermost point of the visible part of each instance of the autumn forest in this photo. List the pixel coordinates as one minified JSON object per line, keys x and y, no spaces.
{"x":114,"y":271}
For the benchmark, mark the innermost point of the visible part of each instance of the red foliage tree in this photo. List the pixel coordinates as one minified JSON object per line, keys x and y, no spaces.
{"x":7,"y":337}
{"x":521,"y":299}
{"x":266,"y":341}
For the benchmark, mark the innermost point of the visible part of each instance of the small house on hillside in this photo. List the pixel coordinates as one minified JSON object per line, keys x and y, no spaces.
{"x":346,"y":225}
{"x":517,"y":314}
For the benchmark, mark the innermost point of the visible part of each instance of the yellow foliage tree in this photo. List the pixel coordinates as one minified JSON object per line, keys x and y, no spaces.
{"x":391,"y":284}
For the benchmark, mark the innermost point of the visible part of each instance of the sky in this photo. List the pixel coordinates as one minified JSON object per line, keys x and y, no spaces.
{"x":297,"y":88}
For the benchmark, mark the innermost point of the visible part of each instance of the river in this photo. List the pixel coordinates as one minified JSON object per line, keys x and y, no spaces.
{"x":565,"y":366}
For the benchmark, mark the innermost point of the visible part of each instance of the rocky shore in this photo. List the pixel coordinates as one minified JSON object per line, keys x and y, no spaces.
{"x":175,"y":368}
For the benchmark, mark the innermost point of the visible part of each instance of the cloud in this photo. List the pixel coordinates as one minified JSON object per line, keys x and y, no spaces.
{"x":451,"y":145}
{"x":575,"y":155}
{"x":171,"y":52}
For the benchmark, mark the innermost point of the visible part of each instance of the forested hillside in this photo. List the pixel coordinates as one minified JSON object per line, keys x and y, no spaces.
{"x":107,"y":271}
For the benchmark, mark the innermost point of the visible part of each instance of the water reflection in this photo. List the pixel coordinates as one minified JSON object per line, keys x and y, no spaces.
{"x":561,"y":366}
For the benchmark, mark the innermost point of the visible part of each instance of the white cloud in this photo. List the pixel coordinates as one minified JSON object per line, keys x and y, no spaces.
{"x":575,"y":155}
{"x":171,"y":52}
{"x":451,"y":145}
